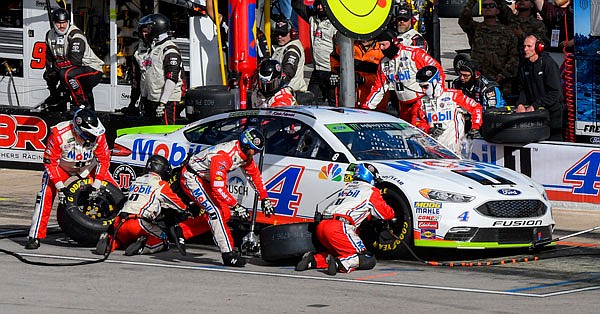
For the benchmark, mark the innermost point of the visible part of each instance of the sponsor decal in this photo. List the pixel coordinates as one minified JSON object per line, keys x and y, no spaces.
{"x":20,"y":156}
{"x":585,"y":174}
{"x":124,"y":175}
{"x":143,"y":149}
{"x":595,"y":140}
{"x":517,"y":223}
{"x":427,"y":234}
{"x":427,"y":224}
{"x":428,"y":217}
{"x":331,"y":172}
{"x":429,"y":211}
{"x":218,"y":184}
{"x":428,"y":205}
{"x":509,"y":192}
{"x":393,"y":178}
{"x":22,"y":132}
{"x":236,"y":186}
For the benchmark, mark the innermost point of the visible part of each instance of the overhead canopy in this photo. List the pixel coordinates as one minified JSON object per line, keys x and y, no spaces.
{"x":359,"y":19}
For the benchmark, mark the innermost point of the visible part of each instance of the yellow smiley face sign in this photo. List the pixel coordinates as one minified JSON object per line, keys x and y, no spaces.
{"x":359,"y":19}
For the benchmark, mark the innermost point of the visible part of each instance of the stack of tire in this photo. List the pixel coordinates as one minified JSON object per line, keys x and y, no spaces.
{"x":503,"y":125}
{"x":205,"y":101}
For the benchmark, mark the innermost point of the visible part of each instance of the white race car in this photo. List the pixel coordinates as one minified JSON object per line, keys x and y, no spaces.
{"x":440,"y":199}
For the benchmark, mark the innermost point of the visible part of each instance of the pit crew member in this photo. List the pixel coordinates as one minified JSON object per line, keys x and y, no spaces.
{"x":73,"y":148}
{"x":70,"y":59}
{"x":136,"y":226}
{"x":204,"y":179}
{"x":443,"y":111}
{"x":337,"y":225}
{"x":271,"y":90}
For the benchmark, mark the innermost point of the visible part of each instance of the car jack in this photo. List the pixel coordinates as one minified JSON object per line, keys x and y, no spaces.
{"x":545,"y":242}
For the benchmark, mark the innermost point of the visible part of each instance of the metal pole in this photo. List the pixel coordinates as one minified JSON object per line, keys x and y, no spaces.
{"x":347,"y":92}
{"x":436,"y":34}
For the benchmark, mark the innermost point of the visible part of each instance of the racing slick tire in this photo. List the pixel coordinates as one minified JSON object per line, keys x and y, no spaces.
{"x":501,"y":125}
{"x":402,"y":228}
{"x":204,"y":101}
{"x":84,"y":219}
{"x":288,"y":242}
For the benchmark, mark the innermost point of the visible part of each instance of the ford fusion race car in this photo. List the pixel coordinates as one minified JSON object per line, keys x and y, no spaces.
{"x":440,"y":200}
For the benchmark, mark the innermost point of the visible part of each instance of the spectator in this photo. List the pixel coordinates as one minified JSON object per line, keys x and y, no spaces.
{"x":74,"y":148}
{"x":556,"y":15}
{"x":337,"y":226}
{"x":161,"y":81}
{"x":322,"y":32}
{"x":367,"y":56}
{"x":405,"y":31}
{"x":444,"y":111}
{"x":137,"y":228}
{"x":398,"y":68}
{"x":204,"y":179}
{"x":493,"y":45}
{"x":477,"y":87}
{"x":70,"y":61}
{"x":540,"y":85}
{"x":525,"y":21}
{"x":271,"y":91}
{"x":290,"y":53}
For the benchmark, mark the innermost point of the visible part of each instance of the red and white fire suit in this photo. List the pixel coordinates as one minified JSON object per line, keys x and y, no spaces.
{"x":66,"y":157}
{"x":284,"y":97}
{"x":400,"y":72}
{"x":148,"y":195}
{"x":446,"y":110}
{"x":204,"y":180}
{"x":338,"y":230}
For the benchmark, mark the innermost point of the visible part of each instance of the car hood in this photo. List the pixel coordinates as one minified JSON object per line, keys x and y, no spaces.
{"x":457,"y":175}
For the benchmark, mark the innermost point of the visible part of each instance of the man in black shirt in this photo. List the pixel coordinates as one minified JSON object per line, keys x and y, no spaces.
{"x":540,"y":85}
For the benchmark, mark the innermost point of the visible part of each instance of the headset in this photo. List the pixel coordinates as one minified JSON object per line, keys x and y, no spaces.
{"x":539,"y":45}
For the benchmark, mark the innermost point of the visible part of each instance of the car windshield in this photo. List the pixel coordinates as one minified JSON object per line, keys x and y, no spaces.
{"x":388,"y":140}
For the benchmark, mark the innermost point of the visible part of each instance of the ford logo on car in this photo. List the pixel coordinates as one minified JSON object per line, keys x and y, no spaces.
{"x":509,"y":192}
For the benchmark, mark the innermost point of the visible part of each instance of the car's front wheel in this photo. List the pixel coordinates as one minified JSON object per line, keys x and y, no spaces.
{"x":402,"y":228}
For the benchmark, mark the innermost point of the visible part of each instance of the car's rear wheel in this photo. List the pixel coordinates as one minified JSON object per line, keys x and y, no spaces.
{"x":84,"y":219}
{"x":402,"y":228}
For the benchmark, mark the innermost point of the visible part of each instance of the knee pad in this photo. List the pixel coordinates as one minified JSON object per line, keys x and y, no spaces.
{"x":366,"y":261}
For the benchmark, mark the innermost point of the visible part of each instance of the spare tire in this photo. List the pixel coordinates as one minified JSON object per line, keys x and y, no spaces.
{"x":206,"y":101}
{"x":286,"y":243}
{"x":84,"y":219}
{"x":502,"y":125}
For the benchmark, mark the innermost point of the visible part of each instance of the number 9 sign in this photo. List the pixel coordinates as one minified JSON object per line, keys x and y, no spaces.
{"x":38,"y":55}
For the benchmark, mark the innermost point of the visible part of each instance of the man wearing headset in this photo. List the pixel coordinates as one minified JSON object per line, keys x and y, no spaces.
{"x":540,"y":85}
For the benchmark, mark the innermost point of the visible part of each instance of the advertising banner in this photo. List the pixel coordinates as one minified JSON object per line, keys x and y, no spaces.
{"x":569,"y":172}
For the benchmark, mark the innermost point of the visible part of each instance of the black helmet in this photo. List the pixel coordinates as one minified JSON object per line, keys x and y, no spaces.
{"x":428,"y":74}
{"x":60,"y":15}
{"x":159,"y":165}
{"x":157,"y":24}
{"x":86,"y":125}
{"x":252,"y":138}
{"x":281,"y":25}
{"x":269,"y":76}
